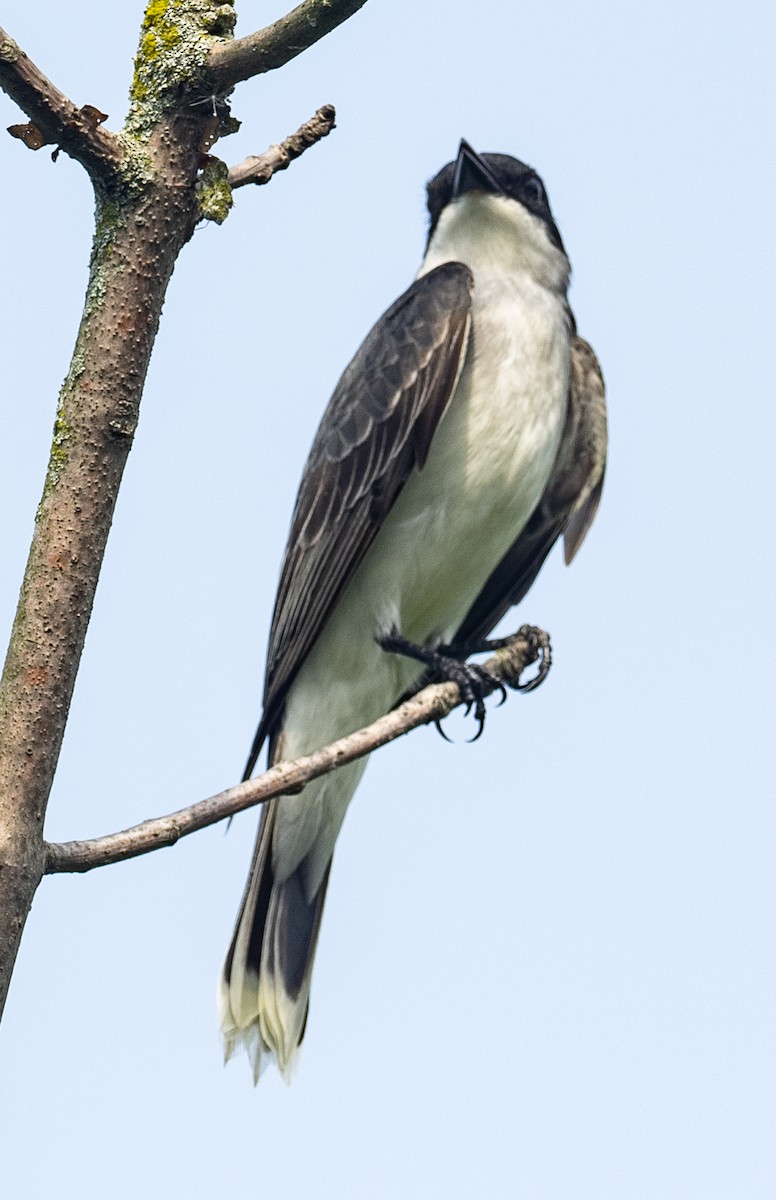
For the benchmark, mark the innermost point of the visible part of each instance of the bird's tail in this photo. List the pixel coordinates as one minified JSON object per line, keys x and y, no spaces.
{"x":265,"y":984}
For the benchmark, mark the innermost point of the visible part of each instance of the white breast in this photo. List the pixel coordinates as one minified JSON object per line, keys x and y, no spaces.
{"x":489,"y":463}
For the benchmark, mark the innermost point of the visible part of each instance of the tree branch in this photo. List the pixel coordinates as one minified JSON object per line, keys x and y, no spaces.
{"x":259,"y":168}
{"x":272,"y":47}
{"x":55,"y":119}
{"x":433,"y":703}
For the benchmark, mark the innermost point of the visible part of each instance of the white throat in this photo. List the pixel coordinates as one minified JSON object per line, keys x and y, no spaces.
{"x":496,"y":235}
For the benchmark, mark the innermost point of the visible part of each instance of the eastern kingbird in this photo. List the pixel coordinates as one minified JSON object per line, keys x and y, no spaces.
{"x":467,"y":435}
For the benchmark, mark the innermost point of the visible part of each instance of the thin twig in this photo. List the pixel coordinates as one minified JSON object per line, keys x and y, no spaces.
{"x":55,"y":120}
{"x":259,"y":168}
{"x":528,"y":645}
{"x":269,"y":48}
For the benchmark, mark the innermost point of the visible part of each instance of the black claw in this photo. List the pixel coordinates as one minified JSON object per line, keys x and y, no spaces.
{"x":541,"y":644}
{"x":479,"y":714}
{"x":441,"y":731}
{"x":531,"y":684}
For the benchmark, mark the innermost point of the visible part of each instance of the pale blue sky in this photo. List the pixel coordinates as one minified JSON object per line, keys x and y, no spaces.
{"x":546,"y":969}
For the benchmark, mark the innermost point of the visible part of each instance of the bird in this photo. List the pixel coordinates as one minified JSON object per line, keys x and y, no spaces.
{"x":466,"y":436}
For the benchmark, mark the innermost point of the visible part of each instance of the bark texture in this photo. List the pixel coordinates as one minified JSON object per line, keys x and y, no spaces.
{"x":273,"y":47}
{"x":137,"y":240}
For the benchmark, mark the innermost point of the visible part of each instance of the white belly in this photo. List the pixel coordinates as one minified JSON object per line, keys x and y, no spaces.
{"x":488,"y":465}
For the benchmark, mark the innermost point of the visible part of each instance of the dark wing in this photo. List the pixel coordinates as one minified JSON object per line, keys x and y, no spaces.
{"x":567,"y":507}
{"x":376,"y":430}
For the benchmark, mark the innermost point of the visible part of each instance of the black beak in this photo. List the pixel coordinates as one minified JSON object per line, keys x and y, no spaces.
{"x":472,"y":173}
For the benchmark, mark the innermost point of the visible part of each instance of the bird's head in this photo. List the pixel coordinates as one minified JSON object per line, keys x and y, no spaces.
{"x":493,"y":207}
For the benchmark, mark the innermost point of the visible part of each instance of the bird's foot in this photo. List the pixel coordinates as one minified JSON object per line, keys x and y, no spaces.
{"x":529,"y":645}
{"x":445,"y":665}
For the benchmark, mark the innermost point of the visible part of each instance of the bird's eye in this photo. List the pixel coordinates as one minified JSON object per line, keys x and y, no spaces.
{"x":533,"y":190}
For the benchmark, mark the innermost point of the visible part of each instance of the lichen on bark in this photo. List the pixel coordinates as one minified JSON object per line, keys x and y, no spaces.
{"x":214,"y":195}
{"x":175,"y":40}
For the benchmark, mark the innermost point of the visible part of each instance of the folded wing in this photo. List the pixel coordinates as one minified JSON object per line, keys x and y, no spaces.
{"x":375,"y":432}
